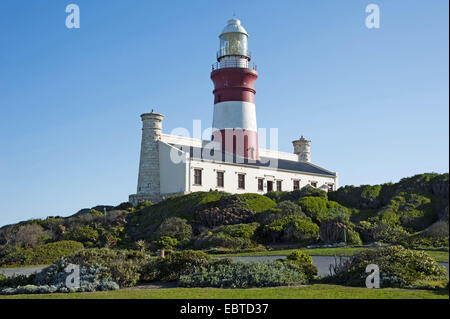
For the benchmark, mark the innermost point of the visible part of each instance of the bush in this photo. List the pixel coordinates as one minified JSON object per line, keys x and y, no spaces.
{"x":44,"y":254}
{"x":143,"y":204}
{"x":53,"y":279}
{"x":30,"y":236}
{"x":399,"y":267}
{"x":165,"y":242}
{"x":84,"y":234}
{"x":337,"y":229}
{"x":122,"y":266}
{"x":292,"y":228}
{"x":283,"y":209}
{"x":353,"y":238}
{"x":435,"y":236}
{"x":238,"y":236}
{"x":388,"y":233}
{"x":177,"y":228}
{"x":304,"y":262}
{"x":50,"y":253}
{"x":255,"y":202}
{"x":319,"y":209}
{"x":245,"y":275}
{"x":14,"y":255}
{"x":16,"y":280}
{"x":366,"y":231}
{"x":174,"y":265}
{"x":295,"y":195}
{"x":239,"y":230}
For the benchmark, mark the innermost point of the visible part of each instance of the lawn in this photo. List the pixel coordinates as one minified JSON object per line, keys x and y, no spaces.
{"x":440,"y":256}
{"x":316,"y":291}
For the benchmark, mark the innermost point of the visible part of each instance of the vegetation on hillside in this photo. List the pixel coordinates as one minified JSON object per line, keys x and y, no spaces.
{"x":412,"y":213}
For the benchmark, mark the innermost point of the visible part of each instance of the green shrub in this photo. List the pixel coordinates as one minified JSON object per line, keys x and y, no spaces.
{"x":366,"y":230}
{"x":143,"y":204}
{"x":165,"y":242}
{"x":177,"y":228}
{"x":239,"y":230}
{"x":435,"y":236}
{"x":283,"y":209}
{"x":44,"y":254}
{"x":304,"y":262}
{"x":332,"y":228}
{"x":122,"y":266}
{"x":84,"y":234}
{"x":319,"y":209}
{"x":353,"y":238}
{"x":292,"y":228}
{"x":238,"y":236}
{"x":295,"y":195}
{"x":50,"y":253}
{"x":256,"y":202}
{"x":362,"y":197}
{"x":14,"y":255}
{"x":220,"y":239}
{"x":124,"y":206}
{"x":388,"y":233}
{"x":399,"y":267}
{"x":245,"y":275}
{"x":174,"y":265}
{"x":15,"y":280}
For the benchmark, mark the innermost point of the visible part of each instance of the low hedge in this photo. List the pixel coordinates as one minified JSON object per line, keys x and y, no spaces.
{"x":245,"y":275}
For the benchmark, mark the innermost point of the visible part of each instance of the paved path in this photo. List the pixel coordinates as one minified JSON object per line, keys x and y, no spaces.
{"x":322,"y":263}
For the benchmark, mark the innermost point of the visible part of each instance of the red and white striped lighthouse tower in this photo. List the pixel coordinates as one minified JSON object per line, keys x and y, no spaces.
{"x":234,"y":120}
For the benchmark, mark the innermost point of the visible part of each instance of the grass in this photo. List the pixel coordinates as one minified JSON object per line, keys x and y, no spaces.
{"x":317,"y":291}
{"x":440,"y":256}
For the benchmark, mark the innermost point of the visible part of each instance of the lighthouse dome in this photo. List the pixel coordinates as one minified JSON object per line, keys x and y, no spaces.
{"x":233,"y":41}
{"x":234,"y":26}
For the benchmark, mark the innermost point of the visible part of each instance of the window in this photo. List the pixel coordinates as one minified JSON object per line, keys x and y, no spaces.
{"x":241,"y":181}
{"x":296,"y":184}
{"x":197,"y":177}
{"x":260,"y":184}
{"x":330,"y":187}
{"x":279,"y":186}
{"x":314,"y":184}
{"x":269,"y":186}
{"x":220,"y":179}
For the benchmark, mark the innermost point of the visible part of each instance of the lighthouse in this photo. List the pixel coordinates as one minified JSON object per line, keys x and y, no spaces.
{"x":234,"y":118}
{"x":173,"y":165}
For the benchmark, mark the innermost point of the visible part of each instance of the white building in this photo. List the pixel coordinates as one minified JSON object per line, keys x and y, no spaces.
{"x":233,"y":161}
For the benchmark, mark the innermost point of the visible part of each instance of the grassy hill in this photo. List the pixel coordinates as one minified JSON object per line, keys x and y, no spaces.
{"x":412,"y":212}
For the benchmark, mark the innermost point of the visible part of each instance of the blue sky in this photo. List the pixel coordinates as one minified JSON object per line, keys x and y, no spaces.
{"x":374,"y":102}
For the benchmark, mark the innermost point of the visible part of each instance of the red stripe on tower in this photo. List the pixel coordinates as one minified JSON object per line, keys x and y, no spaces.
{"x":234,"y":120}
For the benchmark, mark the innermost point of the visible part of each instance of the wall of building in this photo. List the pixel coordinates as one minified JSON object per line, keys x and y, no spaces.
{"x":174,"y":175}
{"x":209,"y":177}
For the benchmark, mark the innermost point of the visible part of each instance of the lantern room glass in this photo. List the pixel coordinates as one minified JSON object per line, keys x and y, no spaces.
{"x":233,"y":43}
